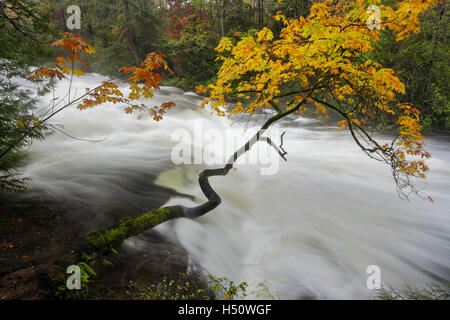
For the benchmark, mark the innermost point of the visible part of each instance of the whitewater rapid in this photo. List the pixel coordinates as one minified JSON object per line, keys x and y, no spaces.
{"x":309,"y":231}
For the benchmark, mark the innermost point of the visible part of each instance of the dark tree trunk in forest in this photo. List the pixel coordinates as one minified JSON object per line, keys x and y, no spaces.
{"x":131,"y":36}
{"x":260,"y":13}
{"x":222,"y":18}
{"x":436,"y":38}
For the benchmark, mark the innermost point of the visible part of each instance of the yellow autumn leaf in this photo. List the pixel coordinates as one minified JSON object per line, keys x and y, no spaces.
{"x":79,"y":72}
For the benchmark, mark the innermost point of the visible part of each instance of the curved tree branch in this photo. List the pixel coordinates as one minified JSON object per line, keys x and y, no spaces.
{"x":111,"y":238}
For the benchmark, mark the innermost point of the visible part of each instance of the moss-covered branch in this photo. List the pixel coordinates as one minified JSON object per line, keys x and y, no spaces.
{"x":104,"y":240}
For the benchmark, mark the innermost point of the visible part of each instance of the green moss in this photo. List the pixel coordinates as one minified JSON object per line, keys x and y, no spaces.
{"x":105,"y":240}
{"x":181,"y":287}
{"x":55,"y":283}
{"x":430,"y":292}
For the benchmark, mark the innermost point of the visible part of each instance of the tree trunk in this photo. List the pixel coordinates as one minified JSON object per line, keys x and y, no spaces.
{"x":436,"y":38}
{"x":111,"y":238}
{"x":103,"y":241}
{"x":131,"y":37}
{"x":222,"y":17}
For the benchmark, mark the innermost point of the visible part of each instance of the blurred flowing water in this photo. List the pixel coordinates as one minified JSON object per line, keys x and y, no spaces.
{"x":310,"y":230}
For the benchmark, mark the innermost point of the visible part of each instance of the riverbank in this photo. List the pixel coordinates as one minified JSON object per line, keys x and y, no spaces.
{"x":36,"y":239}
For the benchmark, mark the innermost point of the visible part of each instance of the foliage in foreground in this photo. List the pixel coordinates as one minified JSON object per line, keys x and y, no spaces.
{"x":429,"y":292}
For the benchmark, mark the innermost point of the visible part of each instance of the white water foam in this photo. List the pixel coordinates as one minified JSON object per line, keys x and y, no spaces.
{"x":310,"y":231}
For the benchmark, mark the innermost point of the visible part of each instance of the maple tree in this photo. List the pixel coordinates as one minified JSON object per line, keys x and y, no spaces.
{"x":318,"y":62}
{"x":178,"y":12}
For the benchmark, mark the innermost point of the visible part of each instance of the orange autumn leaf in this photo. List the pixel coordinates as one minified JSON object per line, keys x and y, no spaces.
{"x":73,"y":43}
{"x":79,"y":72}
{"x":142,"y":80}
{"x":44,"y":72}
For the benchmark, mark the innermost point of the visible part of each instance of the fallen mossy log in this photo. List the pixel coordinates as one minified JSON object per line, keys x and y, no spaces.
{"x":103,"y":241}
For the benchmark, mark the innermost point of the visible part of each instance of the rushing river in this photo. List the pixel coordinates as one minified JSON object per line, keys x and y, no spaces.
{"x":310,"y":230}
